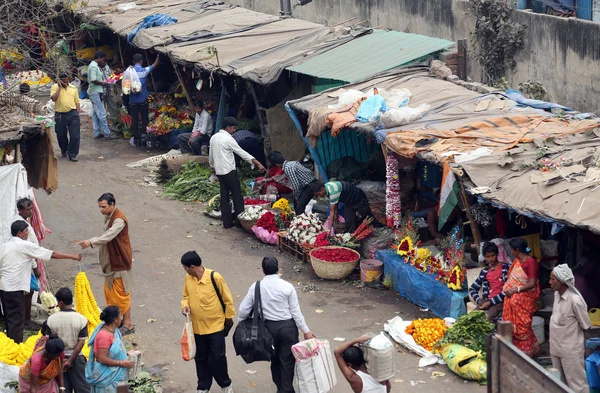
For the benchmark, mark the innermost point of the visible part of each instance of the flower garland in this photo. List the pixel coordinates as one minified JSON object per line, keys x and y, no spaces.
{"x":392,"y":192}
{"x":426,"y":332}
{"x":481,"y":213}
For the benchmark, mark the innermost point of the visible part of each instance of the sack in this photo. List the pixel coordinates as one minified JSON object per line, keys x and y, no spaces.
{"x":465,"y":362}
{"x":131,"y":82}
{"x":594,"y":315}
{"x":34,"y":284}
{"x":212,"y":279}
{"x":397,"y":117}
{"x":188,"y":343}
{"x":379,"y":355}
{"x":251,"y":340}
{"x":315,"y":371}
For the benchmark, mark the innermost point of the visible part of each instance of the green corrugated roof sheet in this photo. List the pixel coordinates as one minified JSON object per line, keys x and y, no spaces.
{"x":370,"y":55}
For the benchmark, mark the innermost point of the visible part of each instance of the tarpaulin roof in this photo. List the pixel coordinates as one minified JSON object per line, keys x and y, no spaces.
{"x":255,"y":46}
{"x":369,"y":55}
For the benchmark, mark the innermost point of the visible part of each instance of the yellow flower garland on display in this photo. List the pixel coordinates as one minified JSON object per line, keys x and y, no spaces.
{"x":15,"y":354}
{"x":405,"y":246}
{"x":86,"y":305}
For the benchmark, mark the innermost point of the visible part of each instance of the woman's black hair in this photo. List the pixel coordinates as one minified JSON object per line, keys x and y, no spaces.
{"x":489,"y":248}
{"x":110,"y":314}
{"x":54,"y":345}
{"x":354,"y":357}
{"x":275,"y":158}
{"x":519,"y":244}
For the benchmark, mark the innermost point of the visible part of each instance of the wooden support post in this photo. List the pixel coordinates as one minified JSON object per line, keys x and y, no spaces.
{"x":471,"y":222}
{"x":261,"y":117}
{"x":18,"y":157}
{"x":462,"y":61}
{"x":185,"y":90}
{"x":152,"y":73}
{"x":505,"y":330}
{"x":122,"y":58}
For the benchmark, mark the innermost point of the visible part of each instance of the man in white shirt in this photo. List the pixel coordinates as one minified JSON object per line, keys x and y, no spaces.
{"x":25,"y":209}
{"x":16,"y":257}
{"x":283,"y":318}
{"x":191,"y":142}
{"x":222,"y":163}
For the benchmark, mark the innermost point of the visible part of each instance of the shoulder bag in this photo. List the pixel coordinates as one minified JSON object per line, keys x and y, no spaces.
{"x":251,"y":339}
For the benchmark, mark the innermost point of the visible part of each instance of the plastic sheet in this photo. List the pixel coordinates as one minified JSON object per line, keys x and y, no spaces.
{"x":8,"y":374}
{"x":396,"y":328}
{"x":422,"y":288}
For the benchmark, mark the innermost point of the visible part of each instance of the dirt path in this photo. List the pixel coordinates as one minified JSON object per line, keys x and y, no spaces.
{"x":162,"y":230}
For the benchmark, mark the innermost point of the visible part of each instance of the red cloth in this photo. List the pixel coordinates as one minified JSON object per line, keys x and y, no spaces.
{"x":494,"y":277}
{"x":531,"y":267}
{"x":104,"y":340}
{"x":275,"y":171}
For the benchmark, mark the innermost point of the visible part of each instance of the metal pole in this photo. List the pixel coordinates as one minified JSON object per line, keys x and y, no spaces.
{"x":285,"y":9}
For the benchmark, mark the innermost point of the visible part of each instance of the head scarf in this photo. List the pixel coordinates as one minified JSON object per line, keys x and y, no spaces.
{"x":564,"y":274}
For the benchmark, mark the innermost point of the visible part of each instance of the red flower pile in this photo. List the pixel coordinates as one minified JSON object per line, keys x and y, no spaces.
{"x":322,"y":240}
{"x":267,"y":221}
{"x":253,"y":202}
{"x":335,"y":255}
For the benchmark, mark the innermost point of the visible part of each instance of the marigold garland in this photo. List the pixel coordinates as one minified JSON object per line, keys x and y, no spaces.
{"x":426,"y":332}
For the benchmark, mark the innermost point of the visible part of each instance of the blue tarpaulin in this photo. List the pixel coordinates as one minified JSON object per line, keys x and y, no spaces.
{"x":522,"y":101}
{"x":422,"y":288}
{"x":152,"y":21}
{"x":370,"y":108}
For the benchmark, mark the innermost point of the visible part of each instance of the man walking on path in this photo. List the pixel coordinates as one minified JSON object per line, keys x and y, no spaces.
{"x":25,"y":209}
{"x":300,"y":177}
{"x":66,"y":114}
{"x":72,"y":328}
{"x":283,"y":318}
{"x":16,"y":256}
{"x":115,"y":259}
{"x":98,"y":71}
{"x":191,"y":142}
{"x":568,"y":322}
{"x":138,"y":102}
{"x":222,"y":163}
{"x":209,"y":304}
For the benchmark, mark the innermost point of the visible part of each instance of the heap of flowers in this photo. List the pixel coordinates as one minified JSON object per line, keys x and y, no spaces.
{"x":349,"y":240}
{"x":335,"y":254}
{"x":255,"y":202}
{"x":426,"y":332}
{"x":267,"y":221}
{"x":251,"y":213}
{"x":167,"y":119}
{"x":283,"y":205}
{"x":305,"y":228}
{"x":455,"y":277}
{"x":266,"y":227}
{"x":407,"y":236}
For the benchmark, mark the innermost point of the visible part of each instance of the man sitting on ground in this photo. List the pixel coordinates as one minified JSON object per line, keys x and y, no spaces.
{"x":491,"y":279}
{"x":351,"y":361}
{"x":191,"y":142}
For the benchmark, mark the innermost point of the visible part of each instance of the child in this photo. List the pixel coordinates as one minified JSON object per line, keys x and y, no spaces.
{"x":492,"y":279}
{"x":351,"y":361}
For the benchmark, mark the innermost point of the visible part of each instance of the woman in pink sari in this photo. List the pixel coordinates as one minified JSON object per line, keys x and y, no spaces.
{"x":522,"y":292}
{"x":43,"y":372}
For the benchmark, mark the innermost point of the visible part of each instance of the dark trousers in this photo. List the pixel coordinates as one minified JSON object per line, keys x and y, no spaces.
{"x":13,"y":305}
{"x":361,"y":207}
{"x":68,"y":123}
{"x":211,"y":360}
{"x":138,"y":111}
{"x":305,"y":197}
{"x":254,"y":147}
{"x":285,"y":334}
{"x":74,"y":376}
{"x":230,"y":183}
{"x":191,"y":146}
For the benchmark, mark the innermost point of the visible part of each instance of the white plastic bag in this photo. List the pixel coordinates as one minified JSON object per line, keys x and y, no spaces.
{"x":8,"y":374}
{"x":188,"y":342}
{"x":349,"y":97}
{"x":397,"y":117}
{"x":131,"y":82}
{"x":379,"y":355}
{"x":315,"y":372}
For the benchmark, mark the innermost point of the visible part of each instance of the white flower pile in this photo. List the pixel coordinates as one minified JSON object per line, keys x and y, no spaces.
{"x":344,"y":237}
{"x":305,"y":228}
{"x":251,"y":213}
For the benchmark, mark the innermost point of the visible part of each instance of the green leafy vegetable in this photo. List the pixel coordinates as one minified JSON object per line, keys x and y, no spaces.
{"x":470,"y":330}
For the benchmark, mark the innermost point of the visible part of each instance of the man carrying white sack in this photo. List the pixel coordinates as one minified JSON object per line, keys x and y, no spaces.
{"x":569,"y":320}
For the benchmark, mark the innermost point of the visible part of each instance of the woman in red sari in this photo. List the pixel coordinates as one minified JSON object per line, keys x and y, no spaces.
{"x":522,"y":292}
{"x":275,"y":182}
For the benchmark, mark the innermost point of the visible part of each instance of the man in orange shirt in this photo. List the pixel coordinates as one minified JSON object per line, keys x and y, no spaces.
{"x":115,"y":259}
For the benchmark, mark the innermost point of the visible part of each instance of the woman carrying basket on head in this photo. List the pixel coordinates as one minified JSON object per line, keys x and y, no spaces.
{"x":522,"y":292}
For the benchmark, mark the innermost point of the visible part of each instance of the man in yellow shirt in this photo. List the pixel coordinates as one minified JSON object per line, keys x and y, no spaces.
{"x":66,"y":114}
{"x":209,"y":304}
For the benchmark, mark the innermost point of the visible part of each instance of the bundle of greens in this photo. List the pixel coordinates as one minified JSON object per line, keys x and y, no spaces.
{"x":470,"y":330}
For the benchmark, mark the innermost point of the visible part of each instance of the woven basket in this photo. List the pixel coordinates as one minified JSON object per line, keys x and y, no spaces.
{"x":333,"y":270}
{"x":247,"y":225}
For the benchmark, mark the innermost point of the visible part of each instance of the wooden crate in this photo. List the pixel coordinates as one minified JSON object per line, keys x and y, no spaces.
{"x":291,"y":248}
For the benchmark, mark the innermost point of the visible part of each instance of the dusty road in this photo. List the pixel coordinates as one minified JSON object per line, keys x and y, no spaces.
{"x":162,"y":230}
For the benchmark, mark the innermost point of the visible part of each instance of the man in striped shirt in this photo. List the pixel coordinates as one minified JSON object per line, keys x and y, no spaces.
{"x":354,"y":200}
{"x":491,"y":282}
{"x":300,"y":178}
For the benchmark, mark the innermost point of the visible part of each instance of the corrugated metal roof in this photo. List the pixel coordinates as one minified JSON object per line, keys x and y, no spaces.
{"x":370,"y":55}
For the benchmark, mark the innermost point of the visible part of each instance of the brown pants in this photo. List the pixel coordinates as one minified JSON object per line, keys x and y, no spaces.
{"x":572,"y":372}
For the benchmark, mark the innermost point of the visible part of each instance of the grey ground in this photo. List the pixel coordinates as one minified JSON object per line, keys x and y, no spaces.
{"x":162,"y":230}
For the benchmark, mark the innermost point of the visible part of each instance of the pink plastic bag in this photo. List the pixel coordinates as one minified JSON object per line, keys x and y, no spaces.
{"x":264,"y":235}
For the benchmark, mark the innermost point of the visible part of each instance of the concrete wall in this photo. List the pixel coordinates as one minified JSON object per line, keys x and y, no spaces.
{"x":562,"y":54}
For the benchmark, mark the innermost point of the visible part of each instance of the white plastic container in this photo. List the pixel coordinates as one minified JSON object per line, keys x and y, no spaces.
{"x":538,"y":328}
{"x":379,"y":355}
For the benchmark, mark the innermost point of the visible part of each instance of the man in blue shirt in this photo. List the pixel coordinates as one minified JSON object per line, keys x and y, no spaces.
{"x":138,"y":101}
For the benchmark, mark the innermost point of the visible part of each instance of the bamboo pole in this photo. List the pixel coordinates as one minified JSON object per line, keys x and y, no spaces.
{"x":183,"y":86}
{"x":152,"y":73}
